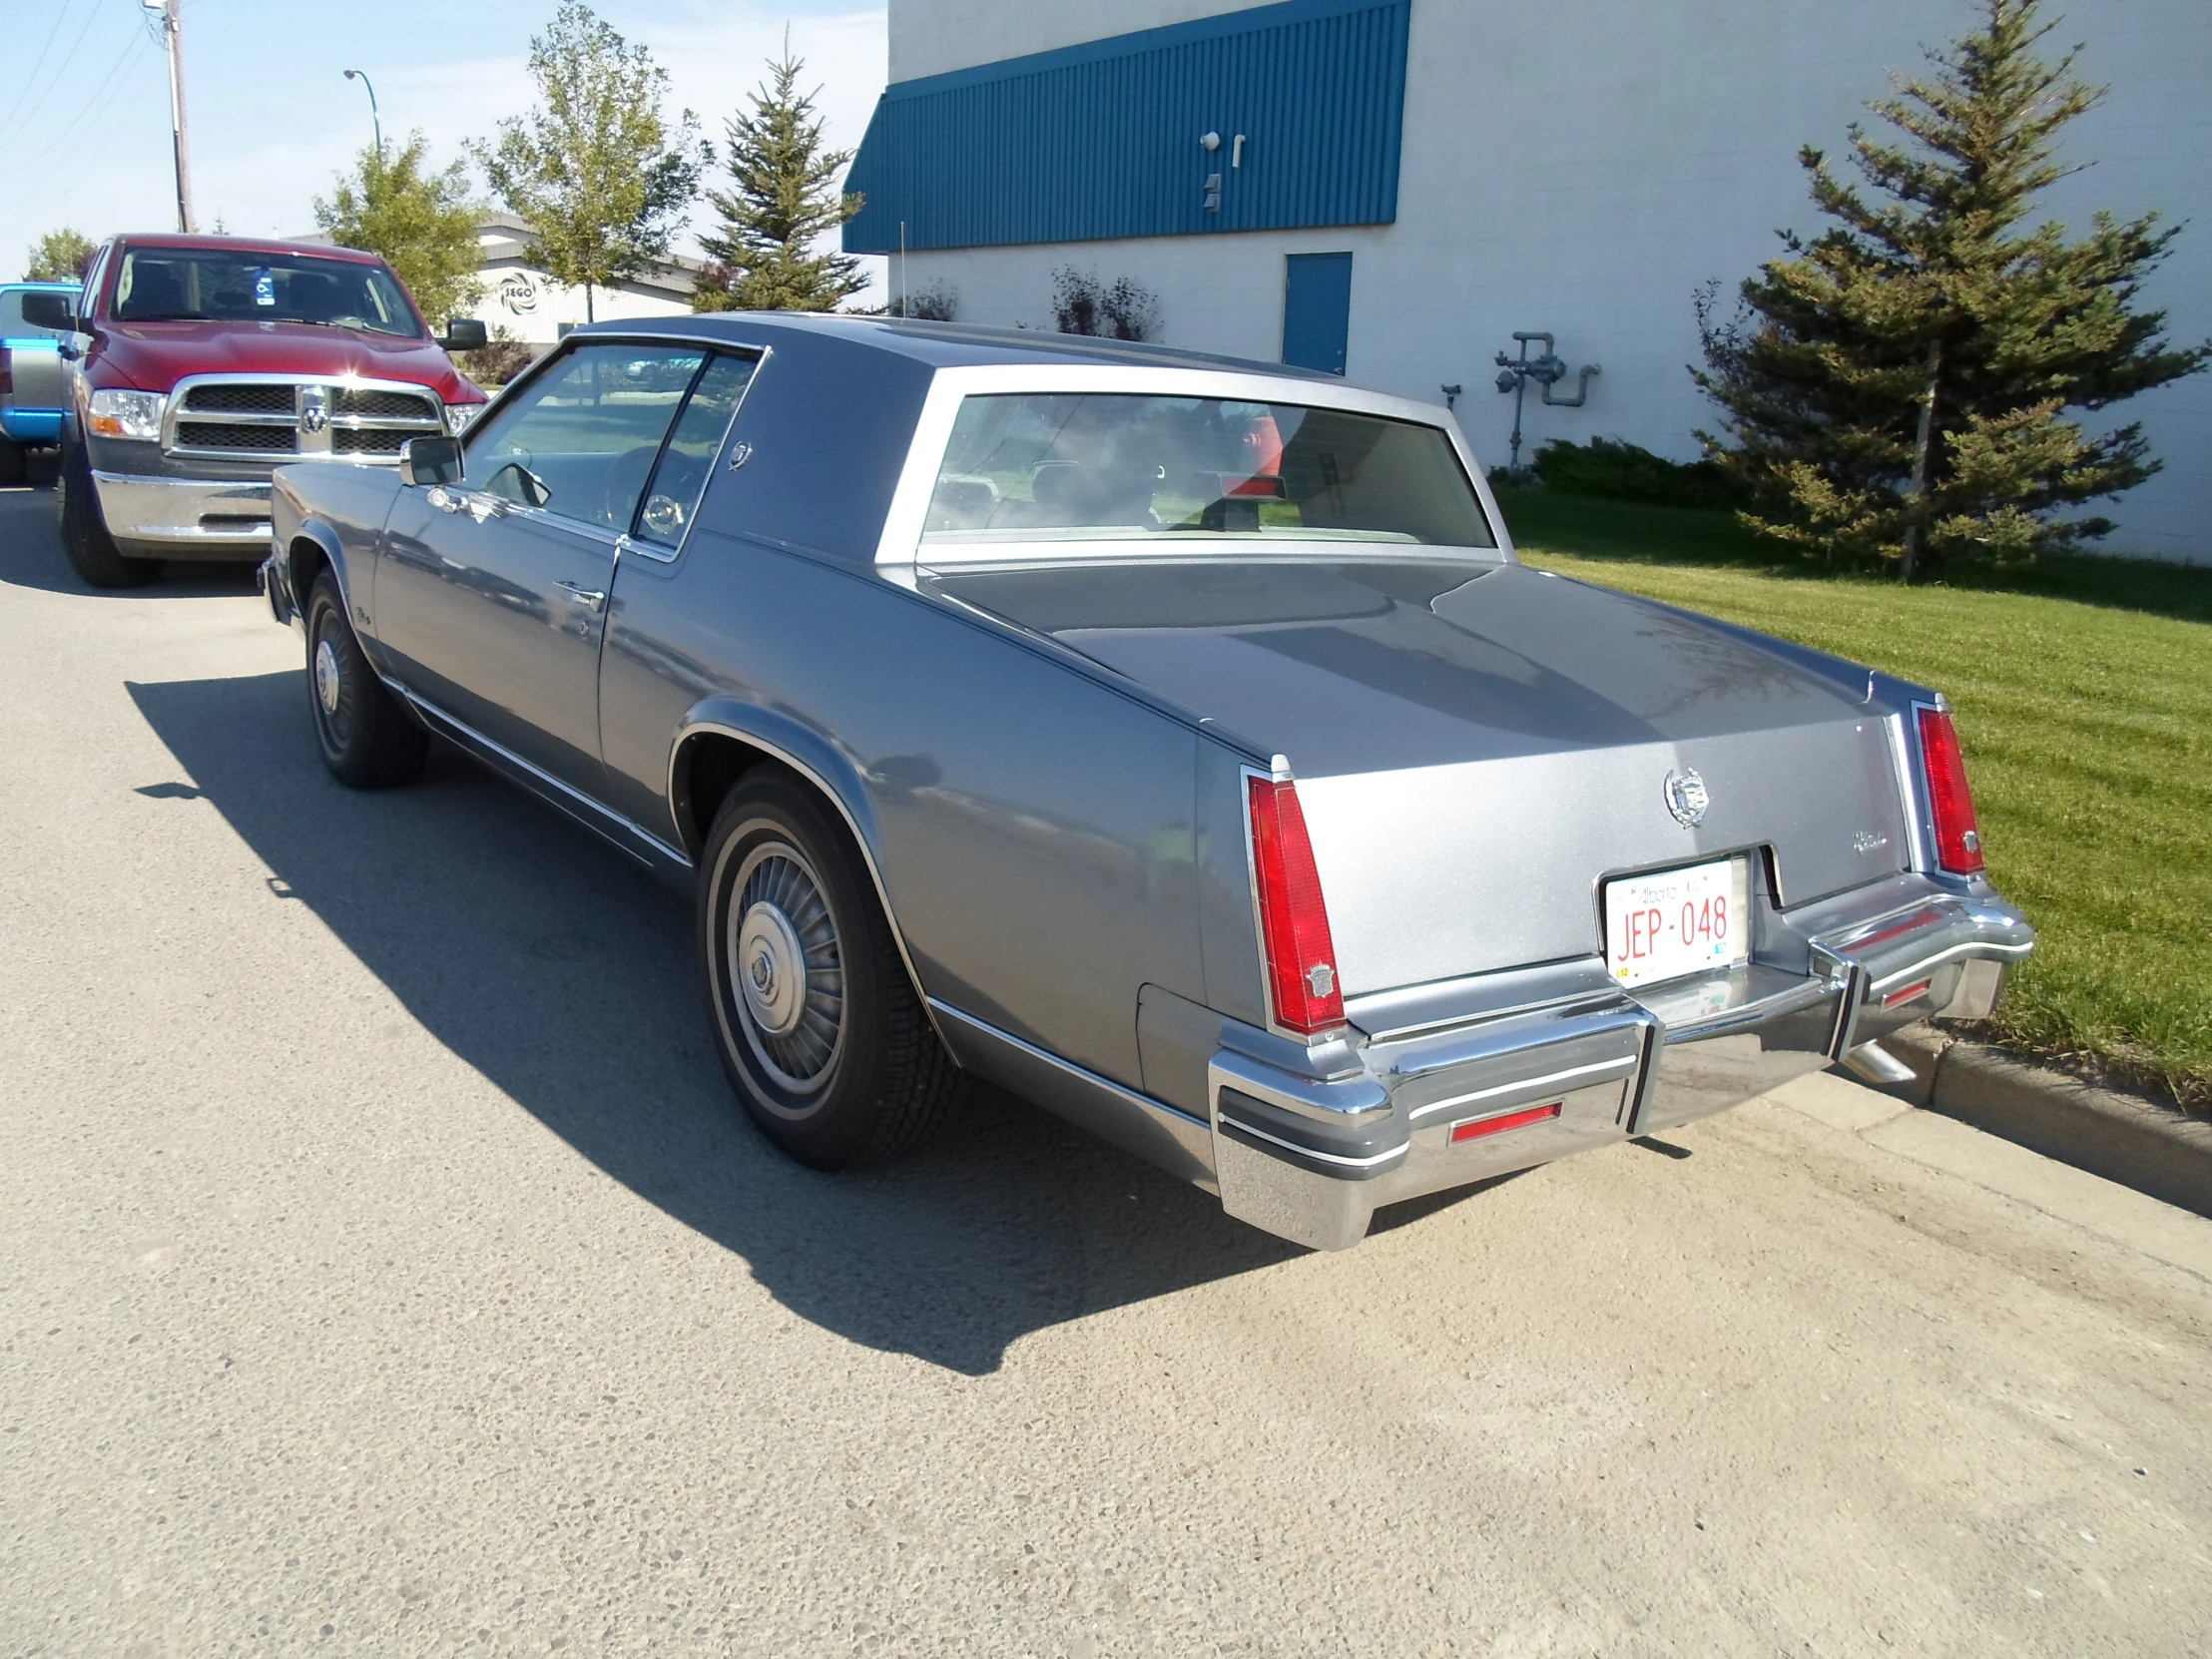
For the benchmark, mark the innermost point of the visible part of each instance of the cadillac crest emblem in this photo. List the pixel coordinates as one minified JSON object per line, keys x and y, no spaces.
{"x":1686,"y":796}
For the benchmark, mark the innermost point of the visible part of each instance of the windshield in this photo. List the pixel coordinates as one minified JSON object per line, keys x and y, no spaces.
{"x":206,"y":284}
{"x":1095,"y":466}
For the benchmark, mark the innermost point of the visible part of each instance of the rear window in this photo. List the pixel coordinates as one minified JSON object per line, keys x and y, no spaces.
{"x":1175,"y":471}
{"x":200,"y":285}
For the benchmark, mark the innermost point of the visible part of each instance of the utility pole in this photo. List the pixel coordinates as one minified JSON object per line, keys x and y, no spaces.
{"x":173,"y":23}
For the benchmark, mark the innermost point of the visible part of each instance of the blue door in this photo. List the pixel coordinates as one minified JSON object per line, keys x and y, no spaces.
{"x":1317,"y":310}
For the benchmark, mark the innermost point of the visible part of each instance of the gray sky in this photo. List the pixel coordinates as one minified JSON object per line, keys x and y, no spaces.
{"x":84,"y":142}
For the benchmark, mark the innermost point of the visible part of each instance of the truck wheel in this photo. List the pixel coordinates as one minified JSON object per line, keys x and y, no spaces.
{"x":12,"y":470}
{"x":816,"y":1024}
{"x":92,"y":552}
{"x":370,"y":740}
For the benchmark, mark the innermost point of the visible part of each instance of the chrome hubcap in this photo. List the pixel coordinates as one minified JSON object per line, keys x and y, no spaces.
{"x":775,"y":978}
{"x":326,"y":684}
{"x":783,"y":961}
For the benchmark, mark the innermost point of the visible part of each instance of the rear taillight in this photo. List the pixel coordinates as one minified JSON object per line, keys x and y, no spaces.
{"x":1957,"y":837}
{"x":1294,"y":922}
{"x":7,"y":370}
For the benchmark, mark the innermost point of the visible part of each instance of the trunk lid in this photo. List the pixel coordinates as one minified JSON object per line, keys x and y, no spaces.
{"x":1478,"y":749}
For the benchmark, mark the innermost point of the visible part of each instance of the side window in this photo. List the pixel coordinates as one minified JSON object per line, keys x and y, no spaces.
{"x":580,"y":442}
{"x":681,"y":478}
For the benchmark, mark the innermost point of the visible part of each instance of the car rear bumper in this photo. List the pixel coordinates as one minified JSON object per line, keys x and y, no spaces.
{"x":1566,"y":1061}
{"x":185,"y":518}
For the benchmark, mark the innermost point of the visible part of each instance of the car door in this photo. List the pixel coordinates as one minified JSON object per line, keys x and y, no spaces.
{"x":491,"y":597}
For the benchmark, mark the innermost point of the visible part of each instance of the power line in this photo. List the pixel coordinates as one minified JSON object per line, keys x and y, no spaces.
{"x":31,"y":80}
{"x":90,"y":18}
{"x":94,"y":107}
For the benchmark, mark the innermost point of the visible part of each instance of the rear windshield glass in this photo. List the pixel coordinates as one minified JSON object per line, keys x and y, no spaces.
{"x":1094,"y":466}
{"x":202,"y":284}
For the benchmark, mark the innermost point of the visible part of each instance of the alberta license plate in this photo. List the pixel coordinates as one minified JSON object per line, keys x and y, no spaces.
{"x":1678,"y":921}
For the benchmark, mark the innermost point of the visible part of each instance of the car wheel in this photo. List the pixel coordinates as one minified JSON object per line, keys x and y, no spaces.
{"x":370,"y":740}
{"x":12,"y":470}
{"x":818,"y":1024}
{"x":92,"y":552}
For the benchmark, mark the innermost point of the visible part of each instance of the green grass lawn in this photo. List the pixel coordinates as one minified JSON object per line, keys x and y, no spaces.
{"x":2083,"y":690}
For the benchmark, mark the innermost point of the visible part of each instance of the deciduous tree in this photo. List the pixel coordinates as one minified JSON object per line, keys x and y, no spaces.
{"x":59,"y":257}
{"x":421,"y":218}
{"x":1901,"y":387}
{"x":595,"y":167}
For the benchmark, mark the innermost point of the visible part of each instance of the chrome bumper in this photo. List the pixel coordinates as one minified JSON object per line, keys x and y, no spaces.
{"x":1308,"y":1144}
{"x":186,"y":518}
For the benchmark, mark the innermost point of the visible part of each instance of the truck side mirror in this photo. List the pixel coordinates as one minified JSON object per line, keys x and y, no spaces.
{"x":55,"y":311}
{"x":464,"y":334}
{"x":430,"y":461}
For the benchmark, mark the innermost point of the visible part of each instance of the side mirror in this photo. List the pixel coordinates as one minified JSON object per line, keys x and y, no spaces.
{"x":54,"y":310}
{"x":430,"y":461}
{"x":464,"y":334}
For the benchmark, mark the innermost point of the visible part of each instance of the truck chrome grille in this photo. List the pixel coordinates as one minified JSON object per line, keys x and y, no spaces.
{"x":280,"y":420}
{"x":220,"y":435}
{"x":238,"y":400}
{"x":368,"y":441}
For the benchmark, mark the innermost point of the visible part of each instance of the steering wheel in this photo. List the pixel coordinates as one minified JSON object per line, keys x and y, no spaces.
{"x":626,"y":475}
{"x":675,"y":491}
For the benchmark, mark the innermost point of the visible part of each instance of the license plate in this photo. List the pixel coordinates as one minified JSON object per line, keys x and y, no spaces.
{"x":1678,"y":921}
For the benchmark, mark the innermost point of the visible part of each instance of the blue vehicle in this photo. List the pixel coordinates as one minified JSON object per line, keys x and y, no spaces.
{"x":30,"y":380}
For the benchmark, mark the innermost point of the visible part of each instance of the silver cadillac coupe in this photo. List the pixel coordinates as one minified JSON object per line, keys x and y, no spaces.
{"x":1176,"y":742}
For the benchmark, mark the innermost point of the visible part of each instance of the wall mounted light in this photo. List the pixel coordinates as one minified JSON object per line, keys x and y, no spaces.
{"x":1210,"y":142}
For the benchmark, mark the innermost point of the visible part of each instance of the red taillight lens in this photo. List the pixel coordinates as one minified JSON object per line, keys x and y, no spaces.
{"x":7,"y":369}
{"x":1957,"y":837}
{"x":1294,"y":922}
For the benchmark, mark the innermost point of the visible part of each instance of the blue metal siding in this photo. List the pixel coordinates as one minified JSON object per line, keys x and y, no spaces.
{"x":1317,"y":310}
{"x":1101,"y":140}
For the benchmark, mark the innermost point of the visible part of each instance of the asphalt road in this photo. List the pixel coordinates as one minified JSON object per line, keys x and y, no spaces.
{"x":384,"y":1269}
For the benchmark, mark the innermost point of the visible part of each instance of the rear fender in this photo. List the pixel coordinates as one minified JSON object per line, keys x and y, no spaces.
{"x":816,"y":761}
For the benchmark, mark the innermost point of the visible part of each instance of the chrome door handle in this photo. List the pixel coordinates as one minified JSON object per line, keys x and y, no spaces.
{"x":592,"y":599}
{"x":444,"y":499}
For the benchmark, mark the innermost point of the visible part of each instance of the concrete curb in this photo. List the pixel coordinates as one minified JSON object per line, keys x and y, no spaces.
{"x":2135,"y":1142}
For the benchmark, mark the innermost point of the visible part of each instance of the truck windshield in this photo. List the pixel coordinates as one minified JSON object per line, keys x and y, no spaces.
{"x":1122,"y":467}
{"x":200,"y":285}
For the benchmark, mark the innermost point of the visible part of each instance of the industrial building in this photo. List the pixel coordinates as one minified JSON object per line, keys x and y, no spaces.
{"x":1394,"y":190}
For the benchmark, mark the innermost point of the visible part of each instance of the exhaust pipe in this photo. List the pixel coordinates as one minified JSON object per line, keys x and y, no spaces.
{"x":1878,"y":1066}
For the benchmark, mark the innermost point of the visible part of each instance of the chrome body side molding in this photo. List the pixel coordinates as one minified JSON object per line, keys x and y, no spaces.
{"x":641,"y":843}
{"x":1153,"y":1130}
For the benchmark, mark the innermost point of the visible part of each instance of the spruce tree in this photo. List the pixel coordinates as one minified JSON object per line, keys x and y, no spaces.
{"x":781,"y":201}
{"x":1899,"y":388}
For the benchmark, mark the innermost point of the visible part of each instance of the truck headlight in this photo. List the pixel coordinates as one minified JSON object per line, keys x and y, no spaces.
{"x":127,"y":414}
{"x":459,"y":415}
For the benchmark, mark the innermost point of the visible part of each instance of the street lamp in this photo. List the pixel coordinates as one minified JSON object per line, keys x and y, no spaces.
{"x":375,"y":120}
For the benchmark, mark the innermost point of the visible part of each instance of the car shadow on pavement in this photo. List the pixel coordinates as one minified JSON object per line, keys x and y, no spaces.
{"x":564,"y":974}
{"x":31,"y":555}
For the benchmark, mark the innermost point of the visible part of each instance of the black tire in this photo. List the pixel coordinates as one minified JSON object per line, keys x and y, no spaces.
{"x":825,"y":1042}
{"x":12,"y":470}
{"x":369,"y":739}
{"x":92,"y":552}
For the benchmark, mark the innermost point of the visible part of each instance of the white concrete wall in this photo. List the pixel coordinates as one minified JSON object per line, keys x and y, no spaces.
{"x":531,"y":306}
{"x":1581,"y":167}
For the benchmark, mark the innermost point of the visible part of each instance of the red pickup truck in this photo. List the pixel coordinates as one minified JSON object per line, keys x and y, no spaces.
{"x":196,"y":366}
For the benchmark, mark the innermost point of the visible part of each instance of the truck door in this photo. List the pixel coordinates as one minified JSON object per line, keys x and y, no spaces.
{"x":491,"y":595}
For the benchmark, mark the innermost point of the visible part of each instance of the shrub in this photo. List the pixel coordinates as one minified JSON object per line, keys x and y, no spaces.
{"x":1623,"y":472}
{"x":1080,"y":305}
